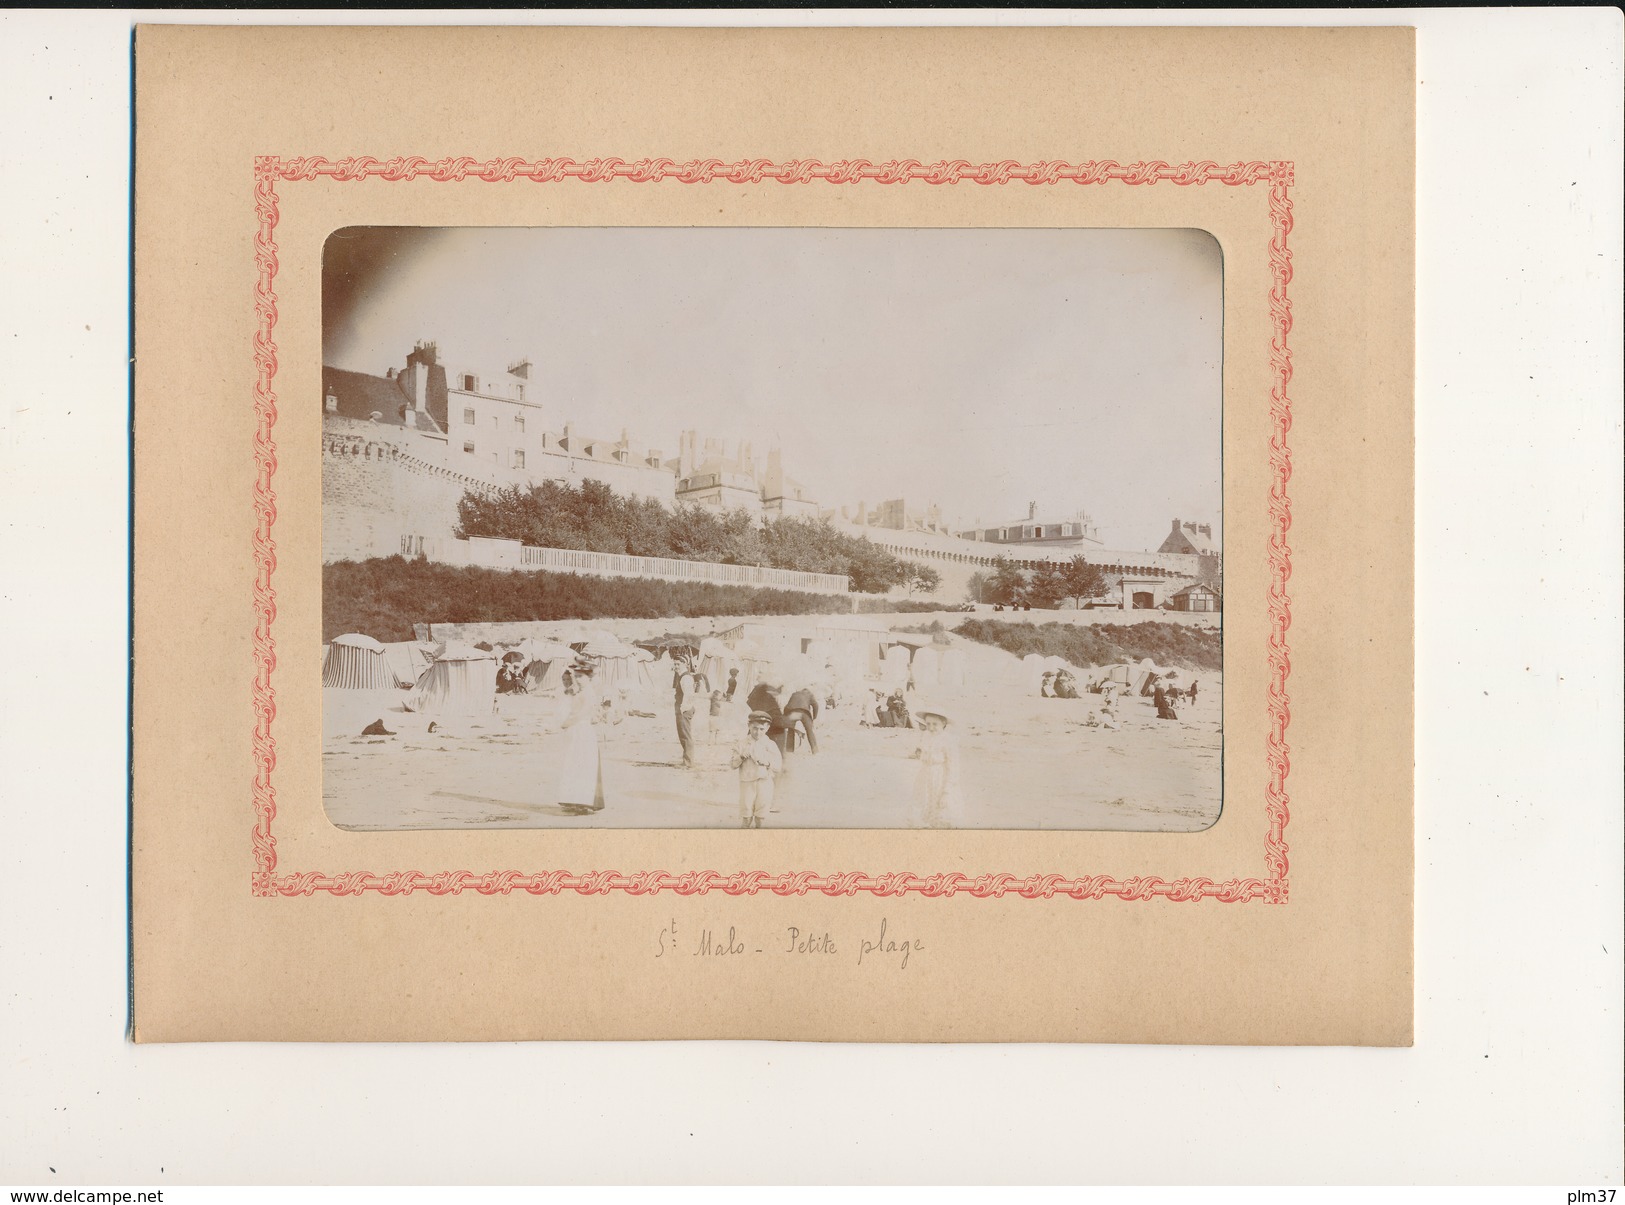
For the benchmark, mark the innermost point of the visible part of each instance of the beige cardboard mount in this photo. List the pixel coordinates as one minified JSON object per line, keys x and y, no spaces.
{"x":1287,"y":922}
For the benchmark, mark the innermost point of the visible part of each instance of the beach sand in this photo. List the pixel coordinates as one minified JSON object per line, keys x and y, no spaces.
{"x":1028,"y":763}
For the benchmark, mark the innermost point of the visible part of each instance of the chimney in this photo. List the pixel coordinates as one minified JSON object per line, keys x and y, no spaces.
{"x":1032,"y":510}
{"x":1176,"y":527}
{"x":521,"y":369}
{"x":1206,"y":529}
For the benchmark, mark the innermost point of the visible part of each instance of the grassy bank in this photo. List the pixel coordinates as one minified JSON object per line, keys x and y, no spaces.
{"x":384,"y":597}
{"x":1103,"y":644}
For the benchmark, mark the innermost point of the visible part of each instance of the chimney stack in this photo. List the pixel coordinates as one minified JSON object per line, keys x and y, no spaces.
{"x":1032,"y":510}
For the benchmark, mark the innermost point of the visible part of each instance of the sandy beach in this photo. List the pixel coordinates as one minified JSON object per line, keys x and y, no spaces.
{"x":1027,"y":763}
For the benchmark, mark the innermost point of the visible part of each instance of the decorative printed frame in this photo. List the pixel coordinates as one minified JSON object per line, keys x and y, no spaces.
{"x":1277,"y":175}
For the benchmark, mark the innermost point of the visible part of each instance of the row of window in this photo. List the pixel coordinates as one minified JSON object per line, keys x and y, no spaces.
{"x":471,"y":384}
{"x":1036,"y":532}
{"x":469,"y":420}
{"x":518,"y":454}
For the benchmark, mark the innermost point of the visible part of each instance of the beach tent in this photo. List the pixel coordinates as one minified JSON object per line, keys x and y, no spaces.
{"x":545,"y":661}
{"x":755,"y":663}
{"x":462,"y":681}
{"x":716,"y":659}
{"x":408,"y":659}
{"x":616,"y":665}
{"x":356,"y":662}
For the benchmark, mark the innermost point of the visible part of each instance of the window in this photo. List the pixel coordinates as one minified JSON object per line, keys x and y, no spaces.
{"x":519,"y":392}
{"x":470,"y":384}
{"x":332,"y":403}
{"x":518,"y":459}
{"x":468,"y":446}
{"x":494,"y":422}
{"x":519,"y":421}
{"x":468,"y":415}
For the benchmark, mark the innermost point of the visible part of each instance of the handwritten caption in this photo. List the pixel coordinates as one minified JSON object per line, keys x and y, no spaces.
{"x":880,"y":946}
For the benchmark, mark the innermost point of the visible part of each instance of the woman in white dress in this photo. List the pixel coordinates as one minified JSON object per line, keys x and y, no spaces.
{"x":581,"y":780}
{"x":936,"y":789}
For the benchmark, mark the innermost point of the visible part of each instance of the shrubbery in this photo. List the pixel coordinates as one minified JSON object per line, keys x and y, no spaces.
{"x":1103,"y":644}
{"x":384,"y":597}
{"x":594,"y":518}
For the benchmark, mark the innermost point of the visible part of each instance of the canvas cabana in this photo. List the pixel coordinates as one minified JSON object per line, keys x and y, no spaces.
{"x":716,"y":659}
{"x":408,"y":659}
{"x":356,"y":662}
{"x":462,"y":681}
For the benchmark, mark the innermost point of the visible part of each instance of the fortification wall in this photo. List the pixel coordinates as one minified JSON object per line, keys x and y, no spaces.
{"x":377,"y":484}
{"x":381,"y":484}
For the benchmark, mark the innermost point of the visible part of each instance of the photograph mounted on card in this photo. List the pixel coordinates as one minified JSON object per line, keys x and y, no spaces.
{"x":872,"y":579}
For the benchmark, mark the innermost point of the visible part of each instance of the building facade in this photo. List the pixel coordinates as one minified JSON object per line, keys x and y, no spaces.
{"x":403,"y":447}
{"x":1078,"y":532}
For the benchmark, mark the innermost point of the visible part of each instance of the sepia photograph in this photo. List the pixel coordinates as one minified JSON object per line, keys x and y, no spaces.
{"x":772,"y":528}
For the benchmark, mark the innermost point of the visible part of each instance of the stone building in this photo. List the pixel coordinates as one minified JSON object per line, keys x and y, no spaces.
{"x":708,"y":476}
{"x":1190,"y":538}
{"x":896,"y":515}
{"x":401,"y":449}
{"x":1077,"y":532}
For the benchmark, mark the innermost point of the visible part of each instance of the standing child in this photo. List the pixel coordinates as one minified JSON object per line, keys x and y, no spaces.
{"x":936,"y":790}
{"x":758,"y":760}
{"x":714,"y":720}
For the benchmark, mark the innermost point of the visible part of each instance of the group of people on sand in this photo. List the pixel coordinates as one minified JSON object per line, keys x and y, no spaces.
{"x":1058,"y":684}
{"x":759,"y":759}
{"x":776,"y":725}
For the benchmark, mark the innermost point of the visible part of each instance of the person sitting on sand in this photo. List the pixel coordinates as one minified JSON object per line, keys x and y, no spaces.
{"x":511,"y":675}
{"x":1046,"y":685}
{"x":758,"y":759}
{"x":1108,"y":715}
{"x":1066,"y":686}
{"x":1164,"y":705}
{"x":897,"y":710}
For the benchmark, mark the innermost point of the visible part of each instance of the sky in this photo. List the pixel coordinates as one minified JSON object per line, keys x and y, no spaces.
{"x":979,"y":369}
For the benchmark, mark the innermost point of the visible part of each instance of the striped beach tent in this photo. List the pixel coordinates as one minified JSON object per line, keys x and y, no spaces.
{"x":356,"y":662}
{"x":462,"y":681}
{"x":408,"y":659}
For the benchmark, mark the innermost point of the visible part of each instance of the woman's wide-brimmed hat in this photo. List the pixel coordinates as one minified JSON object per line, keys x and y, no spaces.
{"x":940,"y":712}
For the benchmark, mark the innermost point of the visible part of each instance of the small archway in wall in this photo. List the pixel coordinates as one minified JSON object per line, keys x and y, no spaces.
{"x":1144,"y":600}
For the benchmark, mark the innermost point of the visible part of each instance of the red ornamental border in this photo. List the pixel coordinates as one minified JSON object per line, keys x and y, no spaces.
{"x":1277,"y":175}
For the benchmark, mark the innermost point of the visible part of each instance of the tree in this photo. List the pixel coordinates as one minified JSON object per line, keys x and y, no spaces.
{"x":919,"y":577}
{"x":976,"y":590}
{"x":1047,"y":586}
{"x":871,"y":568}
{"x":1082,"y":580}
{"x":1008,"y":584}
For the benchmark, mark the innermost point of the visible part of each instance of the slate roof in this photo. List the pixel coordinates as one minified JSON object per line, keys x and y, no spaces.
{"x":359,"y":394}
